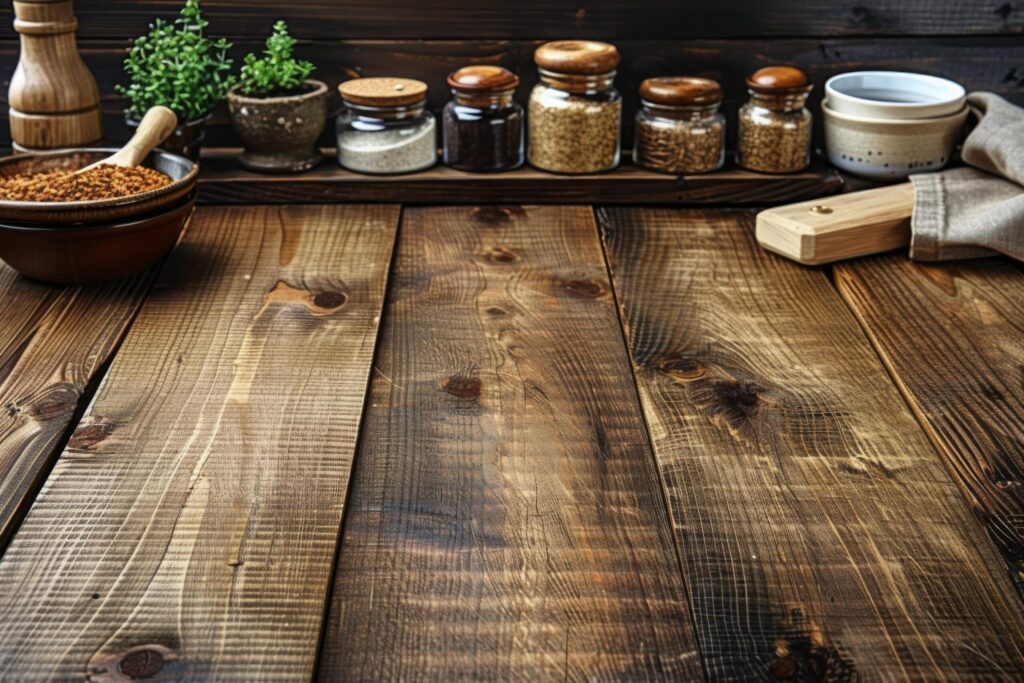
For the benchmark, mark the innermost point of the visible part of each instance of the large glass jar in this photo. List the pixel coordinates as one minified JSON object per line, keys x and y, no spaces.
{"x":679,"y":128}
{"x":575,"y":110}
{"x":483,"y":126}
{"x":385,"y":127}
{"x":775,"y":125}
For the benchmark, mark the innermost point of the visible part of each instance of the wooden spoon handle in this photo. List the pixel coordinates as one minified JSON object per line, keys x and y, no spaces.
{"x":155,"y":127}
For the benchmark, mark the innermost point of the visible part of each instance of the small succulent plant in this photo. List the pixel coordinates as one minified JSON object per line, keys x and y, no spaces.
{"x":177,"y":66}
{"x":277,"y":71}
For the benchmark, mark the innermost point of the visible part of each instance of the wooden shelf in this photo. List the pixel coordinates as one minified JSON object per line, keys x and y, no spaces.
{"x":223,"y":181}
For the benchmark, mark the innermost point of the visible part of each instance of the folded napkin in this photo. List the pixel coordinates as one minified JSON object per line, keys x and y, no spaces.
{"x":975,"y":211}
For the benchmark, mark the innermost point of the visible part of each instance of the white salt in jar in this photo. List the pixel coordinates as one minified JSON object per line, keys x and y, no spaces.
{"x":385,"y":127}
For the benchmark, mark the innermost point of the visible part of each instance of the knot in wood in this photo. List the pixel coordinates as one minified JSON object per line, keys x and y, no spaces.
{"x":330,"y":299}
{"x":783,"y":668}
{"x":502,"y":254}
{"x":463,"y":387}
{"x":88,"y":435}
{"x":55,"y":401}
{"x":143,"y":663}
{"x":493,"y":215}
{"x":584,"y":289}
{"x":681,"y":368}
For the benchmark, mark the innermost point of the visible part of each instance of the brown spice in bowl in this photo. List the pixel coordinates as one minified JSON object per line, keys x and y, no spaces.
{"x":102,"y":182}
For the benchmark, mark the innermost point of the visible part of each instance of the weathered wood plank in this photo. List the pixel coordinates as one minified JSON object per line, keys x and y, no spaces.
{"x":54,"y":344}
{"x":505,"y":521}
{"x":189,"y":529}
{"x":603,"y":19}
{"x":952,"y":335}
{"x":994,"y":64}
{"x":821,"y":537}
{"x":224,"y":182}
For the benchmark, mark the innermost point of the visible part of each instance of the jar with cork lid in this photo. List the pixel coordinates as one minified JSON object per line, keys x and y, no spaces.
{"x":679,"y":128}
{"x":385,"y":127}
{"x":775,"y":125}
{"x":575,"y":112}
{"x":482,"y":124}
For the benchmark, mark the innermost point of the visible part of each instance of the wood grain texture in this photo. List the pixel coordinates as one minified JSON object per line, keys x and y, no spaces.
{"x":505,"y":521}
{"x":189,"y":529}
{"x":821,"y":537}
{"x":54,"y":345}
{"x":602,"y":19}
{"x":224,"y":182}
{"x":952,"y":335}
{"x":994,"y":64}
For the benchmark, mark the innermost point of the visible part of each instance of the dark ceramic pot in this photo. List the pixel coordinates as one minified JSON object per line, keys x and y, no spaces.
{"x":280,"y":133}
{"x":186,"y":140}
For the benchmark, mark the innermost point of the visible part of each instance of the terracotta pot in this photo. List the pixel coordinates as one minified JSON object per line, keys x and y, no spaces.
{"x":186,"y":140}
{"x":280,"y":133}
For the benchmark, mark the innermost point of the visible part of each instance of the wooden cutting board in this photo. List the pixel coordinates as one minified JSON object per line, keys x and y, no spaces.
{"x":839,"y":227}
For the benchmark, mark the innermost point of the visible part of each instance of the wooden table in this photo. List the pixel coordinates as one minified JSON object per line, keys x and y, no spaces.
{"x":530,"y":442}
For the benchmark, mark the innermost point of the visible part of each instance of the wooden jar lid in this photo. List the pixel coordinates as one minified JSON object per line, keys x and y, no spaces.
{"x":577,"y":57}
{"x":483,"y":78}
{"x":778,"y":80}
{"x":383,"y":92}
{"x":676,"y":91}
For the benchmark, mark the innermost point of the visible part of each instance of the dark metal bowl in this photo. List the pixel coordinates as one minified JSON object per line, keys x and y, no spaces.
{"x":182,"y":172}
{"x":92,"y":252}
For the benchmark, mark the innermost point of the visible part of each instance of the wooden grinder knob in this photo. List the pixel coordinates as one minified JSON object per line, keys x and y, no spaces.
{"x":53,"y":96}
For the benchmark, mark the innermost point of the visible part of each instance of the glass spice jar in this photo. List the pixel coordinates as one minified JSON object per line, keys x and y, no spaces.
{"x":679,"y":128}
{"x":575,"y":110}
{"x":483,"y":126}
{"x":385,"y":127}
{"x":775,"y":125}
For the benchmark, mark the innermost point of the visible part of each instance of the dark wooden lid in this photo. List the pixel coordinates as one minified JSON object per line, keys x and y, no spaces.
{"x":383,"y":92}
{"x":483,"y":78}
{"x":577,"y":57}
{"x":778,"y":80}
{"x":681,"y":91}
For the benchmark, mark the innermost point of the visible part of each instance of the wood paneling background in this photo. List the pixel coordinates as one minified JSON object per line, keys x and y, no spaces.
{"x":977,"y":42}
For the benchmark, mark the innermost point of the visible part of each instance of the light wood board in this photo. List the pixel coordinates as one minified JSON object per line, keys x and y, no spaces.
{"x":952,"y":335}
{"x":821,"y":535}
{"x":506,"y":520}
{"x":190,"y":528}
{"x":55,"y":343}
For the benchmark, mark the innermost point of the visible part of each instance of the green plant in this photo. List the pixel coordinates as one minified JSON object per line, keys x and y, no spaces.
{"x":278,"y":71}
{"x":177,"y":66}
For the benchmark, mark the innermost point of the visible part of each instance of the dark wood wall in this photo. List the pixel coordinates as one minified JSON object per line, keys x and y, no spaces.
{"x":977,"y":42}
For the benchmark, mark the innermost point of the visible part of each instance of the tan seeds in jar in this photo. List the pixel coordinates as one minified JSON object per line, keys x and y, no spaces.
{"x":575,"y":112}
{"x":679,"y":128}
{"x":775,"y":125}
{"x":573,"y":134}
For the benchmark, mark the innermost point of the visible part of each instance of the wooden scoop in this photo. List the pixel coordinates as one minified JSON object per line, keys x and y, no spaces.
{"x":155,"y":127}
{"x":839,"y":227}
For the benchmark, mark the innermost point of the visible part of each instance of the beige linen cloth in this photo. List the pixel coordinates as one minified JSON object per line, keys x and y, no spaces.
{"x":978,"y":210}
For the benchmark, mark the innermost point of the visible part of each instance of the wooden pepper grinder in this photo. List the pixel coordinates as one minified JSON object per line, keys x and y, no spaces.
{"x":54,"y":99}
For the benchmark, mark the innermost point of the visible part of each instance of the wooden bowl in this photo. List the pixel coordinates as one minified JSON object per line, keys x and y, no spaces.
{"x":92,"y":252}
{"x":182,"y":172}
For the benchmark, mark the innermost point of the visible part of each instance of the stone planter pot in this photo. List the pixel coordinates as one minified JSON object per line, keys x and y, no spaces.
{"x":186,"y":140}
{"x":280,"y":133}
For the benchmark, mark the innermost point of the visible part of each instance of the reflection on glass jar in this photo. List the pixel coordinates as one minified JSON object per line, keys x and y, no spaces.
{"x":385,"y":127}
{"x":679,"y":128}
{"x":775,"y":125}
{"x":575,"y":111}
{"x":483,"y":126}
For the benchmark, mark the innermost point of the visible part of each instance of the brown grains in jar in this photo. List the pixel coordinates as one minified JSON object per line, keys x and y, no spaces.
{"x":679,"y":128}
{"x":102,"y":182}
{"x":575,"y":110}
{"x":775,"y":125}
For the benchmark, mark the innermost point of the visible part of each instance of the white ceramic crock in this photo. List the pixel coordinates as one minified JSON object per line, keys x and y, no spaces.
{"x":894,"y":95}
{"x":890,"y":149}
